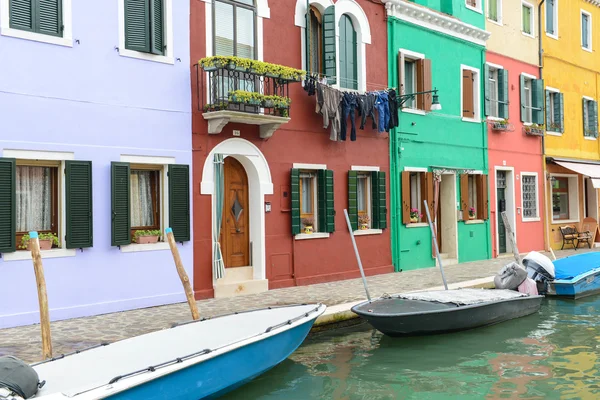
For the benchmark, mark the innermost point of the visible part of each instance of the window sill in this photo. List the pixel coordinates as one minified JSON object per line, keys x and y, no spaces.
{"x":529,"y":35}
{"x":491,"y":118}
{"x":316,"y":235}
{"x":586,"y":49}
{"x":538,"y":219}
{"x":134,"y":247}
{"x":589,"y":138}
{"x":471,"y":120}
{"x":417,"y":225}
{"x":414,"y":111}
{"x":26,"y":255}
{"x":499,"y":23}
{"x":477,"y":10}
{"x":565,"y":221}
{"x":474,"y":222}
{"x":551,"y":133}
{"x":146,"y":56}
{"x":37,"y":37}
{"x":368,"y":232}
{"x":552,"y":36}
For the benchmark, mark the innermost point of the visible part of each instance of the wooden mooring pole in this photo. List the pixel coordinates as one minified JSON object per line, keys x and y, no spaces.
{"x":38,"y":267}
{"x":189,"y":293}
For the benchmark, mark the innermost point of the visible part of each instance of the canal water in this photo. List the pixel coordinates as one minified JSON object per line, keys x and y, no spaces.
{"x":551,"y":355}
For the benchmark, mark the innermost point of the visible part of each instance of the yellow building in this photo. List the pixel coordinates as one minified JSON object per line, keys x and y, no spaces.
{"x":571,"y":73}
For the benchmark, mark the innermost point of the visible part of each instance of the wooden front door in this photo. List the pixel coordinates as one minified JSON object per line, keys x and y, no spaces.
{"x":235,"y":238}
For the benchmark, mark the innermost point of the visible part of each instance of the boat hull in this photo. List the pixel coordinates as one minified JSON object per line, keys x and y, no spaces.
{"x":582,"y":285}
{"x":449,"y":319}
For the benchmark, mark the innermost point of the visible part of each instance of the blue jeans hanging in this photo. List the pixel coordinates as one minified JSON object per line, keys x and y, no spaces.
{"x":383,"y":111}
{"x":348,"y":106}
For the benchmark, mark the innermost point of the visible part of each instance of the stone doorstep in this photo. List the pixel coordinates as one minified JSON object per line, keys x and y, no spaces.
{"x":342,"y":312}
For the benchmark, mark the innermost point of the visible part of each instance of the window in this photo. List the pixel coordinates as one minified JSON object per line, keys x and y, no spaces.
{"x":552,"y":18}
{"x":410,"y":81}
{"x":527,"y":100}
{"x":145,"y":199}
{"x":417,"y":186}
{"x":474,"y":196}
{"x":312,"y":200}
{"x":529,"y":193}
{"x":472,"y":191}
{"x":470,"y":93}
{"x":367,"y":199}
{"x":363,"y":198}
{"x":234,"y":26}
{"x":586,"y":30}
{"x":527,"y":15}
{"x":308,"y":200}
{"x":144,"y":26}
{"x":555,"y":111}
{"x":45,"y":17}
{"x":314,"y":33}
{"x":560,"y":198}
{"x":473,"y":4}
{"x":590,"y":118}
{"x":414,"y":75}
{"x":493,"y":93}
{"x":496,"y":86}
{"x":347,"y":48}
{"x":532,"y":99}
{"x":495,"y":10}
{"x":415,"y":191}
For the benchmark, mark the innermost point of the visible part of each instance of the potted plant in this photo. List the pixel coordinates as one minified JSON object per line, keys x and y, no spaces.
{"x":415,"y":215}
{"x":472,"y":213}
{"x":501,"y":125}
{"x":534,"y":129}
{"x":47,"y":240}
{"x":363,"y":222}
{"x":308,"y":223}
{"x":141,"y":236}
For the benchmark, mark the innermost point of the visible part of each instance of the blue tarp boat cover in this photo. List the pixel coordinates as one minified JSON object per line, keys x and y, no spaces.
{"x":570,"y":267}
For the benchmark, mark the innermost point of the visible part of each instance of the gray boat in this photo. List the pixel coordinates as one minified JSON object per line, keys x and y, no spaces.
{"x":443,"y":311}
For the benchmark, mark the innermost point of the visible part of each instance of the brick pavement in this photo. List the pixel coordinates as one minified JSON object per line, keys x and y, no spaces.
{"x":69,"y":335}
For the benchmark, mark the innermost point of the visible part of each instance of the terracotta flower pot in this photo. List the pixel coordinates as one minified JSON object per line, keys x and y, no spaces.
{"x":45,"y":244}
{"x":147,"y":239}
{"x":414,"y":219}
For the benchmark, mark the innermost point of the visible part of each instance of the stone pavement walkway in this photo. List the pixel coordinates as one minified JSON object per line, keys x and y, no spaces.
{"x":70,"y":335}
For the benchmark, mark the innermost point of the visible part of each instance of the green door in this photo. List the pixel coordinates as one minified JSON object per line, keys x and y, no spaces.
{"x":501,"y":206}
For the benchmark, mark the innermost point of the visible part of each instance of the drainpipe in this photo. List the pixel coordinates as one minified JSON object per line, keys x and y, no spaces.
{"x":541,"y":69}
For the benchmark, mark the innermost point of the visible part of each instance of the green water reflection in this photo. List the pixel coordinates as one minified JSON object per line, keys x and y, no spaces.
{"x":550,"y":355}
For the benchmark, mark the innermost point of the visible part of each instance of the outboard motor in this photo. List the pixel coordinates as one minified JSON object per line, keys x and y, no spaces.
{"x":18,"y":380}
{"x":510,"y":277}
{"x":539,"y":268}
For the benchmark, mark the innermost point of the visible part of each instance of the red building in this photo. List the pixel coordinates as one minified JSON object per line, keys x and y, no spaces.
{"x":284,"y":184}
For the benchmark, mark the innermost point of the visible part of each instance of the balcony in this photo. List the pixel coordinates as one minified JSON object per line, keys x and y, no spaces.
{"x":233,"y":89}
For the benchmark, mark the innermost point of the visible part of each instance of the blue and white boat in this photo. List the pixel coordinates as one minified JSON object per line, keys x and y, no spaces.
{"x":576,"y":276}
{"x":196,"y":360}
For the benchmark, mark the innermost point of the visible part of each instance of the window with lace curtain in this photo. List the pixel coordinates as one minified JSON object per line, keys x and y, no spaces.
{"x":145,"y":199}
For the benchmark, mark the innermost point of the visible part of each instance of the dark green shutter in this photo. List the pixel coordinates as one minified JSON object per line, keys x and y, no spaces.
{"x":49,"y":17}
{"x":522,"y":96}
{"x":353,"y":199}
{"x":548,"y":111}
{"x":78,"y":209}
{"x":21,"y":14}
{"x":503,"y":93}
{"x":329,"y":44}
{"x":378,"y":200}
{"x":8,"y":202}
{"x":325,"y":201}
{"x":120,"y":204}
{"x":179,"y":201}
{"x":486,"y":88}
{"x":137,"y":25}
{"x":157,"y":26}
{"x":586,"y":117}
{"x":538,"y":101}
{"x":295,"y":200}
{"x":561,"y":112}
{"x":594,"y":119}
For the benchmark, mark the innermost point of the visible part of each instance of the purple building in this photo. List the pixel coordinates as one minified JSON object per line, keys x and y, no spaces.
{"x":95,"y":151}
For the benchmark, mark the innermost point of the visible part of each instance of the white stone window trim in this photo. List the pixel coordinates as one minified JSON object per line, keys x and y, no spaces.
{"x":537,"y":198}
{"x":498,"y":12}
{"x":411,"y":56}
{"x":67,"y":20}
{"x":365,"y":168}
{"x":555,"y":18}
{"x":315,"y":235}
{"x":417,"y":225}
{"x":168,"y":57}
{"x":477,"y":8}
{"x":588,"y":137}
{"x":476,"y":93}
{"x":61,"y":156}
{"x":548,"y":131}
{"x":589,"y":33}
{"x":531,"y":19}
{"x":163,"y":162}
{"x":573,"y":199}
{"x":415,"y":169}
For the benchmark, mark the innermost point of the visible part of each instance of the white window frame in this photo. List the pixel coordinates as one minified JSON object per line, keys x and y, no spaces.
{"x":555,"y":18}
{"x":587,"y":99}
{"x":411,"y":56}
{"x":476,"y":94}
{"x":477,"y":8}
{"x":167,"y":58}
{"x":498,"y":12}
{"x":24,"y":155}
{"x":67,"y":20}
{"x":589,"y":32}
{"x":367,"y":169}
{"x":548,"y":130}
{"x":531,"y":19}
{"x":537,"y":198}
{"x":529,"y":78}
{"x":314,"y":235}
{"x":573,"y":200}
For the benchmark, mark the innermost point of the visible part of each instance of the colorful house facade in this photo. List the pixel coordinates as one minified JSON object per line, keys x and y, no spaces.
{"x":514,"y":106}
{"x":439,"y":155}
{"x":94,"y":149}
{"x":572,"y":154}
{"x":270,"y":184}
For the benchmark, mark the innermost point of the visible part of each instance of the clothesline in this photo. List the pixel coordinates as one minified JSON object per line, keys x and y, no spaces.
{"x":371,"y":84}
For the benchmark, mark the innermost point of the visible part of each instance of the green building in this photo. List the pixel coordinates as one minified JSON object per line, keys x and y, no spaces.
{"x":438,"y":155}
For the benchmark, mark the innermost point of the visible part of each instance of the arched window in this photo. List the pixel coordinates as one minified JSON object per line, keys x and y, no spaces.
{"x":315,"y":41}
{"x":347,"y":46}
{"x":234,"y":28}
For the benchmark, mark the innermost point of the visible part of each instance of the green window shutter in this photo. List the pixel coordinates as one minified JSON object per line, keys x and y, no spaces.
{"x":295,"y":200}
{"x":137,"y":21}
{"x":8,"y":212}
{"x":561,"y":112}
{"x":523,"y":95}
{"x":503,"y":93}
{"x":594,"y":118}
{"x":157,"y":27}
{"x":378,"y":200}
{"x":49,"y":17}
{"x":486,"y":88}
{"x":353,"y":199}
{"x":347,"y":45}
{"x":120,"y":204}
{"x":21,"y":14}
{"x":179,"y":201}
{"x":325,"y":201}
{"x":548,"y":111}
{"x":586,"y":117}
{"x":538,"y":101}
{"x":78,"y":190}
{"x":329,"y":44}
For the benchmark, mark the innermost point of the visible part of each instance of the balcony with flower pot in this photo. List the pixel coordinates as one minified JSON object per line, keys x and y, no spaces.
{"x":234,"y":89}
{"x":534,"y":130}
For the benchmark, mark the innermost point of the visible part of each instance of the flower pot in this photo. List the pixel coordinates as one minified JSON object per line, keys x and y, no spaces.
{"x":471,"y":217}
{"x":308,"y":229}
{"x":147,"y":239}
{"x":364,"y":227}
{"x":45,"y":244}
{"x":414,"y":220}
{"x":267,"y":103}
{"x":231,"y":66}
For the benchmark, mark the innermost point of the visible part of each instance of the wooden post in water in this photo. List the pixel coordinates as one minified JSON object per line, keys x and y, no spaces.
{"x":511,"y":236}
{"x":189,"y":293}
{"x":38,"y":267}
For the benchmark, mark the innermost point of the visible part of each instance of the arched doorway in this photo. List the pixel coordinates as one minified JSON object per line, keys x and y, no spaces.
{"x":235,"y":232}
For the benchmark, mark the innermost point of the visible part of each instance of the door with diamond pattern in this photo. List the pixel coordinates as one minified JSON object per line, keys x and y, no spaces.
{"x":235,"y":237}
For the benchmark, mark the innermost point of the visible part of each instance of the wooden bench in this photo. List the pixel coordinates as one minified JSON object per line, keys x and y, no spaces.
{"x":572,"y":236}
